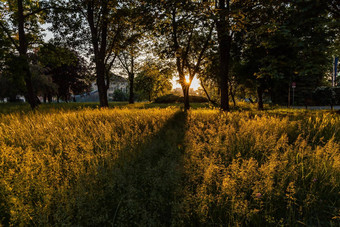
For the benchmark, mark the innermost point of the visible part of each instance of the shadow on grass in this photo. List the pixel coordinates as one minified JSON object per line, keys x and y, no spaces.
{"x":141,"y":187}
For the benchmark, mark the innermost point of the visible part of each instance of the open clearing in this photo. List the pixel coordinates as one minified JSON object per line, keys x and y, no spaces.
{"x":162,"y":166}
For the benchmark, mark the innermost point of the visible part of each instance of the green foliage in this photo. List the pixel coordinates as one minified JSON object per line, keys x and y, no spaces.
{"x":153,"y":82}
{"x":119,"y":95}
{"x":325,"y":96}
{"x":170,"y":98}
{"x":67,"y":69}
{"x":12,"y":78}
{"x":286,"y":43}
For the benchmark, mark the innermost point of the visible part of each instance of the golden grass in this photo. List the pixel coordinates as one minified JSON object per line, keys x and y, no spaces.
{"x":165,"y":167}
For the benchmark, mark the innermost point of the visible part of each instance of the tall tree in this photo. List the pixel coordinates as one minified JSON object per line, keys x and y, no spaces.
{"x":153,"y":81}
{"x":286,"y":43}
{"x":128,"y":61}
{"x":95,"y":25}
{"x":21,"y":18}
{"x":231,"y":19}
{"x":67,"y":69}
{"x":185,"y":34}
{"x":131,"y":49}
{"x":224,"y":44}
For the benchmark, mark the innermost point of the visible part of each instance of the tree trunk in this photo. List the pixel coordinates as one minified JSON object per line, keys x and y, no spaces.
{"x":131,"y":93}
{"x":288,"y":103}
{"x":224,"y":41}
{"x":232,"y":91}
{"x":102,"y":88}
{"x":260,"y":97}
{"x":23,"y":54}
{"x":185,"y":89}
{"x":99,"y":47}
{"x":49,"y":98}
{"x":233,"y":98}
{"x":32,"y":98}
{"x":207,"y":94}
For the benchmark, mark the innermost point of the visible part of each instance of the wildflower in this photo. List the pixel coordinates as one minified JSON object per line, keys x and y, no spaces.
{"x":258,"y":195}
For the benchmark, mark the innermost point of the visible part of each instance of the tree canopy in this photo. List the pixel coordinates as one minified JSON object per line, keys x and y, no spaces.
{"x":261,"y":47}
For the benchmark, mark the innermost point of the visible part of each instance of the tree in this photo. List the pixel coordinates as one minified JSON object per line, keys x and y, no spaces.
{"x":67,"y":69}
{"x":12,"y":82}
{"x":22,"y":17}
{"x":134,"y":44}
{"x":224,"y":42}
{"x":127,"y":60}
{"x":95,"y":25}
{"x":42,"y":82}
{"x":185,"y":31}
{"x":325,"y":96}
{"x":153,"y":81}
{"x":230,"y":18}
{"x":286,"y":43}
{"x":100,"y":27}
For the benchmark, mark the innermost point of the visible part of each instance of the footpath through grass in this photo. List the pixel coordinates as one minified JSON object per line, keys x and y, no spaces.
{"x":162,"y":167}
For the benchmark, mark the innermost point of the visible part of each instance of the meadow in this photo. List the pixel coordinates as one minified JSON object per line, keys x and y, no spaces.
{"x":135,"y":165}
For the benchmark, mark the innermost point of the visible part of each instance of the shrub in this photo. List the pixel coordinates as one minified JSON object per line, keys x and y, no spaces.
{"x":325,"y":96}
{"x":119,"y":95}
{"x":337,"y":95}
{"x":171,"y":98}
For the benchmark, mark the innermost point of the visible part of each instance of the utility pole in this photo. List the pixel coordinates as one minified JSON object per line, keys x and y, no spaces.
{"x":293,"y":86}
{"x":335,"y":67}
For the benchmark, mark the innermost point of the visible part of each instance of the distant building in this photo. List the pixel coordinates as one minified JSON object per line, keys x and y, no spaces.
{"x":117,"y":83}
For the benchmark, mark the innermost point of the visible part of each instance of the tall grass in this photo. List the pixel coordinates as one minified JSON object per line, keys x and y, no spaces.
{"x":259,"y":169}
{"x":164,"y":167}
{"x":55,"y":168}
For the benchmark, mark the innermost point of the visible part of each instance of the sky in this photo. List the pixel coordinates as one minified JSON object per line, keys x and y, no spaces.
{"x":195,"y":83}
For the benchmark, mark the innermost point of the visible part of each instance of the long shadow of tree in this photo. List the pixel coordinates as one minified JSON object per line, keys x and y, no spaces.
{"x":141,"y":187}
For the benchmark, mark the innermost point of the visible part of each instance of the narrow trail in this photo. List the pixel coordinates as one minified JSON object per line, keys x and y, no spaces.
{"x":149,"y":183}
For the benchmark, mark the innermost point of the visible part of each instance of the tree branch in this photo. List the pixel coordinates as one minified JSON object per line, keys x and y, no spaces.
{"x":124,"y":63}
{"x":185,"y":54}
{"x":48,"y":8}
{"x":9,"y":36}
{"x":205,"y":46}
{"x":37,"y":11}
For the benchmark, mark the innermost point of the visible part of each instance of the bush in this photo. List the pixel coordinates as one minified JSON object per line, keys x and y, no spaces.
{"x":325,"y":96}
{"x":337,"y":95}
{"x":119,"y":95}
{"x":171,"y":98}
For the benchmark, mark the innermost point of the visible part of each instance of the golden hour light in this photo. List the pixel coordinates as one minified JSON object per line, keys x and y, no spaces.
{"x":187,"y":79}
{"x":159,"y":113}
{"x":195,"y":83}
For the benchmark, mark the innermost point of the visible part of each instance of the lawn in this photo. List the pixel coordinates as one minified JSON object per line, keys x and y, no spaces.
{"x":144,"y":165}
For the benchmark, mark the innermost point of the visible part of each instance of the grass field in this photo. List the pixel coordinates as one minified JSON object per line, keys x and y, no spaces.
{"x":134,"y":165}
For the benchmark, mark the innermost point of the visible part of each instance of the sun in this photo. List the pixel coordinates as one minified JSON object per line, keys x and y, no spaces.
{"x":187,"y":79}
{"x":195,"y":83}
